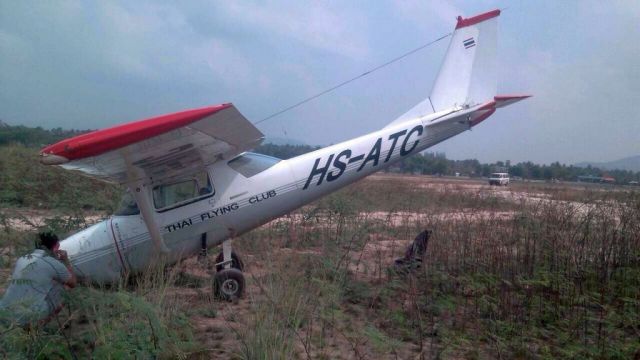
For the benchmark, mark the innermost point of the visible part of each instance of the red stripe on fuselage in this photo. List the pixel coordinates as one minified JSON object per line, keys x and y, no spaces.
{"x":101,"y":141}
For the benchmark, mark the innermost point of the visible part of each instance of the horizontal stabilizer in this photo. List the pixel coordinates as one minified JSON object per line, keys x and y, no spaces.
{"x":475,"y":115}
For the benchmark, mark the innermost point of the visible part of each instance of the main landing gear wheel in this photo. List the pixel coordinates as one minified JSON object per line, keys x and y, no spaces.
{"x":228,"y":284}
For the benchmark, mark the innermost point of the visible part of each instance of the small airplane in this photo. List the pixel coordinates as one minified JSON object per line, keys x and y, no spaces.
{"x":193,"y":184}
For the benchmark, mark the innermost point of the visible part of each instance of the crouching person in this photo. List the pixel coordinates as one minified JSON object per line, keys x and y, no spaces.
{"x":36,"y":288}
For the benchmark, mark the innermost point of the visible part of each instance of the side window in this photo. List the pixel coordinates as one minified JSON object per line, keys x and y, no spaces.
{"x":182,"y":192}
{"x":249,"y":164}
{"x":128,"y":206}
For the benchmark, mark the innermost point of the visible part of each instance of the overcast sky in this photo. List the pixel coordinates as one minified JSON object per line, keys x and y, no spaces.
{"x":75,"y":64}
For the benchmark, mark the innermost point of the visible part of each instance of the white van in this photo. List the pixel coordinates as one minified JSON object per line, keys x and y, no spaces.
{"x":499,"y":179}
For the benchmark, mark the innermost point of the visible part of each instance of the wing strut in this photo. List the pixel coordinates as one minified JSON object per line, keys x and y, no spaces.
{"x":147,"y":215}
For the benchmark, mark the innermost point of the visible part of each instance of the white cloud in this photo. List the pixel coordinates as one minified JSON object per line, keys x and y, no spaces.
{"x":223,"y":61}
{"x":426,"y":14}
{"x":15,"y":50}
{"x":314,"y":24}
{"x":158,"y":44}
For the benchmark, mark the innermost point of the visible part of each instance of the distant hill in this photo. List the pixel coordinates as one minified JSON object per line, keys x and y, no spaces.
{"x":284,"y":151}
{"x":426,"y":163}
{"x":34,"y":137}
{"x":631,"y":163}
{"x":282,"y":141}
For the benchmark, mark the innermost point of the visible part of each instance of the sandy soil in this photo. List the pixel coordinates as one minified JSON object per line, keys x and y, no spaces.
{"x":517,"y":192}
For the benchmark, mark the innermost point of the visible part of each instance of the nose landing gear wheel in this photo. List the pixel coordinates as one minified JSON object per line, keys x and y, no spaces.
{"x":228,"y":284}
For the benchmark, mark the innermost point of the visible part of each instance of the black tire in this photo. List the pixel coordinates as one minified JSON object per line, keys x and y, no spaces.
{"x":236,"y":262}
{"x":228,"y":284}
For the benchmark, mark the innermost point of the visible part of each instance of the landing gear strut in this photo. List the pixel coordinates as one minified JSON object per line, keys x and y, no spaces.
{"x":228,"y":282}
{"x":236,"y":263}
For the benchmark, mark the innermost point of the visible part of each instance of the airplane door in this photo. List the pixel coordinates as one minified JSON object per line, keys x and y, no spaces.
{"x":183,"y":211}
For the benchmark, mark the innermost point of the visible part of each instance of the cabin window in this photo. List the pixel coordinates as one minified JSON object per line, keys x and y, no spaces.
{"x":182,"y":192}
{"x":249,"y":164}
{"x":128,"y":206}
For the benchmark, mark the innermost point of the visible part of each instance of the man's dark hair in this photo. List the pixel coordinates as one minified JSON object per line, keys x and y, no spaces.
{"x":48,"y":239}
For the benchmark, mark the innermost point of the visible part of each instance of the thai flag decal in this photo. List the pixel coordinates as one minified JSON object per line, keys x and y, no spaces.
{"x":469,"y":43}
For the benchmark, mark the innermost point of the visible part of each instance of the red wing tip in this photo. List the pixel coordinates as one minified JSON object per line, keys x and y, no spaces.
{"x":207,"y":108}
{"x":510,"y":97}
{"x":476,"y":19}
{"x":100,"y":141}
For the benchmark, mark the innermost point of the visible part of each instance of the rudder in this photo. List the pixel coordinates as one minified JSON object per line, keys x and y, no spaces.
{"x":468,"y":74}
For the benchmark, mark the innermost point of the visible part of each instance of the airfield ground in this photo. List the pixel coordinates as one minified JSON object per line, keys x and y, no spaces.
{"x":532,"y":270}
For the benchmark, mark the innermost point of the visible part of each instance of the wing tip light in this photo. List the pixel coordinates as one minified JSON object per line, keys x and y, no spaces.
{"x":52,"y":159}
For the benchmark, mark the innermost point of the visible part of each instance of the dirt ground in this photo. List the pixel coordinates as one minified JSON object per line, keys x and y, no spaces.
{"x":368,"y":264}
{"x":27,"y":219}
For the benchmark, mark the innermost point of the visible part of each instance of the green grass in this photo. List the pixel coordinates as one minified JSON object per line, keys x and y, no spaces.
{"x":107,"y":323}
{"x":24,"y":182}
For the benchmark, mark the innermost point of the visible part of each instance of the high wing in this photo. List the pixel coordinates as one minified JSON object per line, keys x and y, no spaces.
{"x":159,"y":148}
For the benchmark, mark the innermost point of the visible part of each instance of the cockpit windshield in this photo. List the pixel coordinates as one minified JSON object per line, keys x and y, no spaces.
{"x":128,"y":205}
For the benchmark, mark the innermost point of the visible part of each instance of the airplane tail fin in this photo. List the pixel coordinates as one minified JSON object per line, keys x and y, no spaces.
{"x":468,"y":74}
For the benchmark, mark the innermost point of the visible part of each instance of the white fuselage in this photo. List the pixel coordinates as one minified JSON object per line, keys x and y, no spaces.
{"x":122,"y":244}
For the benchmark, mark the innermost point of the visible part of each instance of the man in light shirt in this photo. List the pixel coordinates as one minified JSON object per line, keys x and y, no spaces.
{"x":35,"y":291}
